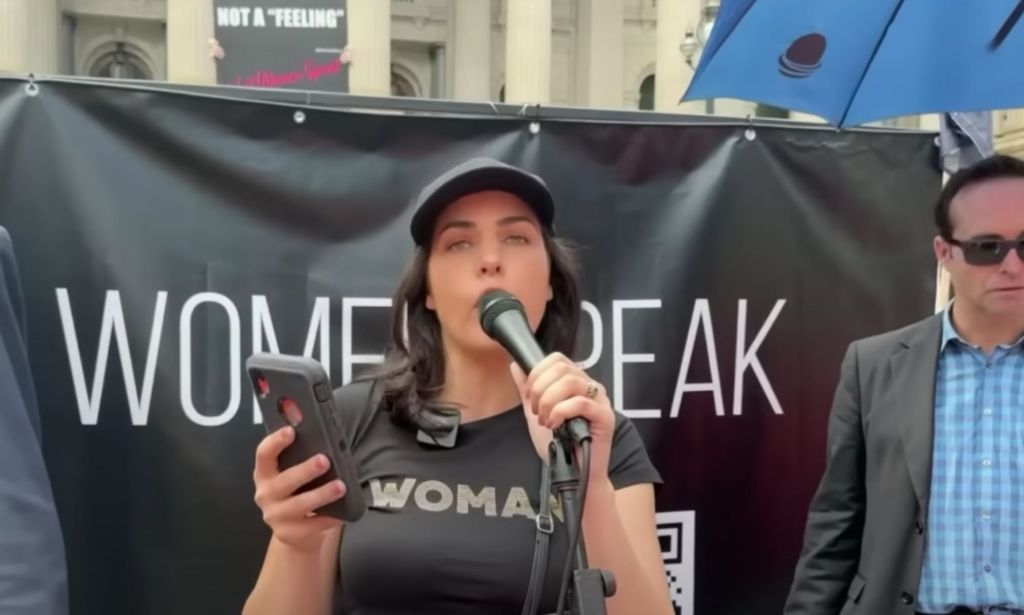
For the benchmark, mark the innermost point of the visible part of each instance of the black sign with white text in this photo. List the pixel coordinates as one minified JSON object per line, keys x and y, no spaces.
{"x":268,"y":44}
{"x":163,"y":238}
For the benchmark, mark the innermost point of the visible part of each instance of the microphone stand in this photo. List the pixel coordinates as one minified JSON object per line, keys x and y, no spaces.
{"x":588,"y":586}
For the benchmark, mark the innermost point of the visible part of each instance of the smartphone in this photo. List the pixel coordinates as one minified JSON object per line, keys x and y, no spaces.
{"x":296,"y":391}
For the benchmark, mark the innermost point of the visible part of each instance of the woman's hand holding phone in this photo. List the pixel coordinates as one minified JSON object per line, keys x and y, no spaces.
{"x":291,"y":515}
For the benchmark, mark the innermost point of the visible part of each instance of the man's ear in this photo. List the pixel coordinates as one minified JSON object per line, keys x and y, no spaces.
{"x":943,"y":250}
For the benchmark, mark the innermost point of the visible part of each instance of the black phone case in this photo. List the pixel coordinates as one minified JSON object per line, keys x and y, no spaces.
{"x":304,"y":381}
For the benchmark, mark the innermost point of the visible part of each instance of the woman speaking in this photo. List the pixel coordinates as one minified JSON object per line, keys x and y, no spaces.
{"x":452,"y":520}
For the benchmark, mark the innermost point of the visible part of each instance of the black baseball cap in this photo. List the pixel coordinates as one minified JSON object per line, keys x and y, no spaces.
{"x":479,"y":175}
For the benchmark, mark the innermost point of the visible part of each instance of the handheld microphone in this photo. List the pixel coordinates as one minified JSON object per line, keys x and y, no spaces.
{"x":503,"y":318}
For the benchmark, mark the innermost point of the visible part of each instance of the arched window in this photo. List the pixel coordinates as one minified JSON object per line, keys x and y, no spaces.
{"x":400,"y":86}
{"x":647,"y":93}
{"x":403,"y":82}
{"x":120,"y":63}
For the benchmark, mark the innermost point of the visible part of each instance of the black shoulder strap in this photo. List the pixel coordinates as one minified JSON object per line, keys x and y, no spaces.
{"x":359,"y":394}
{"x":355,"y":399}
{"x":356,"y":396}
{"x":545,"y":526}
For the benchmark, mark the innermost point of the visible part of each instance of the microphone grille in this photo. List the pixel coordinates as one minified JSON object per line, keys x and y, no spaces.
{"x":495,"y":303}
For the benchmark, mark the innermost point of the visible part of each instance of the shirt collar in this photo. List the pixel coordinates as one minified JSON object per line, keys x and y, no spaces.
{"x":949,"y":332}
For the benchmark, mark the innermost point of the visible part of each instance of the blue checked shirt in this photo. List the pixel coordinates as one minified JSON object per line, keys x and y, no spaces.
{"x":974,"y":550}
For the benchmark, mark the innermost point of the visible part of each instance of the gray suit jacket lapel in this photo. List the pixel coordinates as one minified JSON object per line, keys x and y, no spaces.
{"x":913,"y":369}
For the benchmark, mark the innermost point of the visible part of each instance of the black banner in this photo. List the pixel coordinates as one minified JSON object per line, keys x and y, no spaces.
{"x":164,"y":237}
{"x":270,"y":44}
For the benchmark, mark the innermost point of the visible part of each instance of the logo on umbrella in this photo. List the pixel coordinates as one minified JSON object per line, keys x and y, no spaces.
{"x":803,"y":56}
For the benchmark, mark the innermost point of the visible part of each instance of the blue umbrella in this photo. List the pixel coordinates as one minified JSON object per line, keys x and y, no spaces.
{"x":855,"y":61}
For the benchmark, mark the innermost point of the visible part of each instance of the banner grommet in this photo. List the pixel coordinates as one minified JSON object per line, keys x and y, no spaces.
{"x":750,"y":134}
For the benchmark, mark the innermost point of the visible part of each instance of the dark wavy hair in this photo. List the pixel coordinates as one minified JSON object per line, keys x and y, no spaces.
{"x":999,"y":166}
{"x":413,"y":373}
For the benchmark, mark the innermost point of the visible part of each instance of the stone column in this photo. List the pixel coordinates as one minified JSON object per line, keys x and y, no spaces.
{"x":528,"y":52}
{"x":28,"y":36}
{"x":471,"y":50}
{"x":369,"y":36}
{"x":189,"y":30}
{"x":601,"y":54}
{"x":672,"y":75}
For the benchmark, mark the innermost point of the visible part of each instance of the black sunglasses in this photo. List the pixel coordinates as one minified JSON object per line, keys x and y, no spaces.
{"x":988,"y":251}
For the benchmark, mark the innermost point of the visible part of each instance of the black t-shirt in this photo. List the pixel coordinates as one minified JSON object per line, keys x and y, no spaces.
{"x":451,"y":531}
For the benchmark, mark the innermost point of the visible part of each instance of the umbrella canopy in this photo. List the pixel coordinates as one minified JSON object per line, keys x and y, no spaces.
{"x":856,"y":61}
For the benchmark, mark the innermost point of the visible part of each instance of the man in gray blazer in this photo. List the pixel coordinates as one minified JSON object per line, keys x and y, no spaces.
{"x":33,"y":574}
{"x":921,"y":507}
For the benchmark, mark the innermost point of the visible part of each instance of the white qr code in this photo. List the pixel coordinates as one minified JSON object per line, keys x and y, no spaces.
{"x":675,"y":533}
